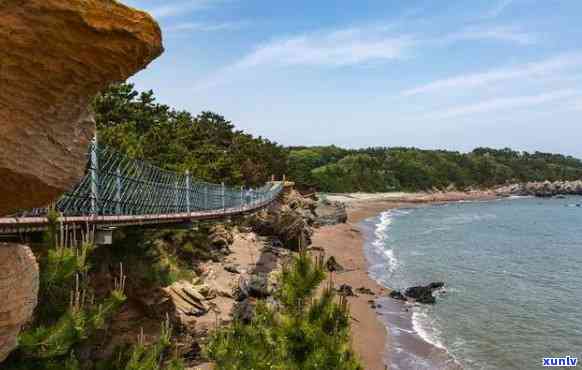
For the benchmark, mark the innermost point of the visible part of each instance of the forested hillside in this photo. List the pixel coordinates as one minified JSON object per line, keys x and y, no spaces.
{"x":207,"y":145}
{"x":211,"y":148}
{"x":382,"y":169}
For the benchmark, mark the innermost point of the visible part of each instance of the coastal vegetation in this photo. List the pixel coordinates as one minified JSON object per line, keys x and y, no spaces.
{"x":209,"y":146}
{"x":75,"y":311}
{"x":334,"y":169}
{"x":299,"y":331}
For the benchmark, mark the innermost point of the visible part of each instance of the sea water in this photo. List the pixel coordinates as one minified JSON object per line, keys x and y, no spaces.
{"x":513,"y":274}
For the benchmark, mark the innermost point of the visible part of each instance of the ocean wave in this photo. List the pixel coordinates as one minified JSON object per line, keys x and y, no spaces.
{"x":380,"y":240}
{"x":424,"y":326}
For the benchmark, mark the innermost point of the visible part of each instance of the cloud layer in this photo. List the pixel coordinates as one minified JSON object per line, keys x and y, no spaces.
{"x":353,"y":46}
{"x":522,"y":71}
{"x":503,"y":104}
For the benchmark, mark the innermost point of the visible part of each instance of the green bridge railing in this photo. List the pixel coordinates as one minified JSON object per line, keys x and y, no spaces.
{"x":117,"y":185}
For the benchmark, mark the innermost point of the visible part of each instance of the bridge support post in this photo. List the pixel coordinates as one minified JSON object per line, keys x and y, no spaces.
{"x":176,"y":197}
{"x":118,"y":192}
{"x":206,"y":197}
{"x":242,"y":198}
{"x":94,"y":168}
{"x":223,"y":197}
{"x":188,"y":191}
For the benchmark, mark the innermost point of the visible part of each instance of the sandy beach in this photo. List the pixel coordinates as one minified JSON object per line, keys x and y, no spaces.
{"x":371,"y":339}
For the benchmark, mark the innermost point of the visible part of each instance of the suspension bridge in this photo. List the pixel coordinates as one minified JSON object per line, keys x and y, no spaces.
{"x":119,"y":191}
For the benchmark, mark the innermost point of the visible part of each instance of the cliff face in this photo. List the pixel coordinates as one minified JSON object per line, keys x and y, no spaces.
{"x":56,"y":56}
{"x":18,"y":293}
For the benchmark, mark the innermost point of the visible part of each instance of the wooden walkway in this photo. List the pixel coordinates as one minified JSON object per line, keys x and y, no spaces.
{"x":13,"y":225}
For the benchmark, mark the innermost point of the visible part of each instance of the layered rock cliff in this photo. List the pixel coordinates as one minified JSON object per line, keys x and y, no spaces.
{"x":56,"y":56}
{"x":18,"y":293}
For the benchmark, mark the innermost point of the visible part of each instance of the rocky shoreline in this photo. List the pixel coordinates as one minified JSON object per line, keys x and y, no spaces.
{"x":541,"y":189}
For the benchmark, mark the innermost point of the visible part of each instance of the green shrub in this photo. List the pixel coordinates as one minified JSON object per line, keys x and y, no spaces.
{"x":299,"y":332}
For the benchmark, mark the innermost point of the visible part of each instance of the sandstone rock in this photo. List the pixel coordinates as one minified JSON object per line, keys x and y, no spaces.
{"x":220,"y":236}
{"x":232,"y":268}
{"x":56,"y":56}
{"x":18,"y":293}
{"x":330,"y":213}
{"x":188,"y":303}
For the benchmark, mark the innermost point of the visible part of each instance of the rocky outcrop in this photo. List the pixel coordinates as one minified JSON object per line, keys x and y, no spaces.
{"x":424,"y":294}
{"x":542,"y":189}
{"x":286,"y":224}
{"x":189,"y":301}
{"x":18,"y":293}
{"x":420,"y":294}
{"x":330,"y":213}
{"x":56,"y":56}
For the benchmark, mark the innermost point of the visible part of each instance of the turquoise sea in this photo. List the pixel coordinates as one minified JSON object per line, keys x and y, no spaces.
{"x":513,"y":273}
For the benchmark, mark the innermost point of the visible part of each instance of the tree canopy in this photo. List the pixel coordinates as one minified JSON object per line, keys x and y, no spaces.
{"x":212,"y":149}
{"x":207,"y":145}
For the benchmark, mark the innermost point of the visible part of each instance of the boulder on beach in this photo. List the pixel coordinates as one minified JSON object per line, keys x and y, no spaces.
{"x":345,"y":290}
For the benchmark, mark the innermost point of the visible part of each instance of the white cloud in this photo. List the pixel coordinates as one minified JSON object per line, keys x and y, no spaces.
{"x":529,"y":70}
{"x":348,"y":47}
{"x":505,"y":34}
{"x":351,"y":46}
{"x":502,"y":103}
{"x":337,"y":48}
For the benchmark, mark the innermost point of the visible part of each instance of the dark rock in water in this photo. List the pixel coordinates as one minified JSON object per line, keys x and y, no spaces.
{"x":333,"y":266}
{"x":396,"y":294}
{"x":364,"y":290}
{"x":423,"y":294}
{"x":346,"y":290}
{"x":436,"y":285}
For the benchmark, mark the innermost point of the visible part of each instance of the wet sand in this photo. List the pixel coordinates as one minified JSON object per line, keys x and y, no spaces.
{"x":379,"y":348}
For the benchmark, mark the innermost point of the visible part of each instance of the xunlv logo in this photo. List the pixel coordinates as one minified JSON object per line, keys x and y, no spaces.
{"x":560,"y":361}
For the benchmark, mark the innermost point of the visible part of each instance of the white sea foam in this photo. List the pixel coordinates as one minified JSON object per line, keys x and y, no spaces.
{"x":425,"y":328}
{"x":381,"y":237}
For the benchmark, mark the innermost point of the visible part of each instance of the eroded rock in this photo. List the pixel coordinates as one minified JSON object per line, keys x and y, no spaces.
{"x":56,"y":56}
{"x":18,"y":293}
{"x":424,"y":294}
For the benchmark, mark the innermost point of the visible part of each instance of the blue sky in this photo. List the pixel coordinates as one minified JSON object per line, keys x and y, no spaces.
{"x":430,"y":74}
